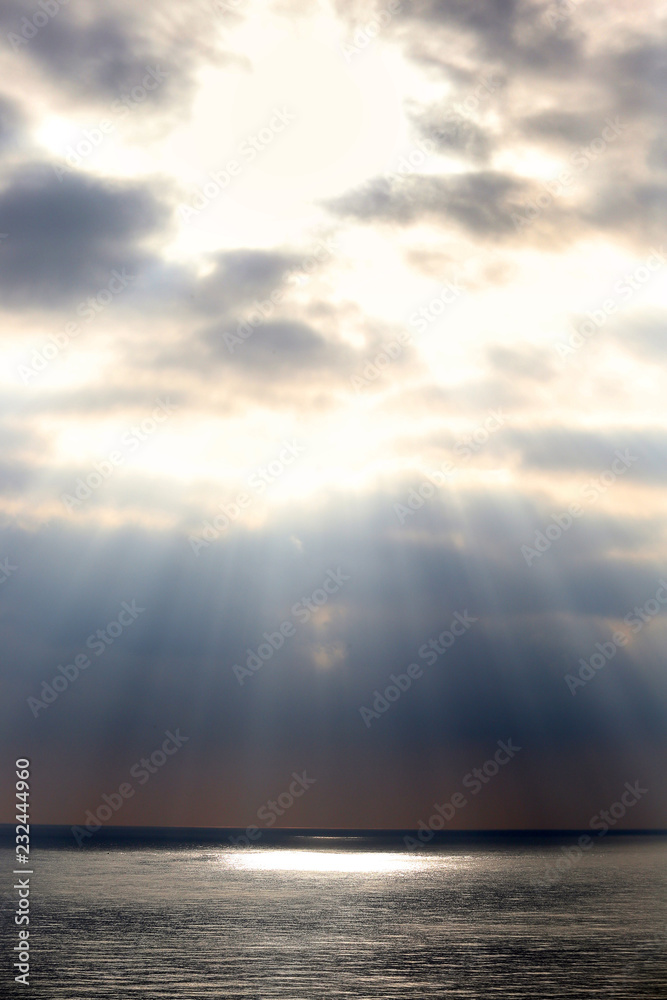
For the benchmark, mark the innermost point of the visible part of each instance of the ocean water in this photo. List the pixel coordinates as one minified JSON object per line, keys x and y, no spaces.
{"x":345,"y":919}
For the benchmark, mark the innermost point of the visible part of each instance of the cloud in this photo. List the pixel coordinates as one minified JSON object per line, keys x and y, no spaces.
{"x":511,"y":32}
{"x":239,"y":277}
{"x":522,"y":362}
{"x":12,"y":123}
{"x":284,"y":347}
{"x":260,"y":362}
{"x":94,"y":53}
{"x":257,"y":327}
{"x":645,"y":338}
{"x":572,"y":128}
{"x":66,"y":236}
{"x":632,"y":208}
{"x":453,"y":134}
{"x":221,"y":318}
{"x":17,"y":478}
{"x":481,"y":202}
{"x":402,"y":590}
{"x":562,"y":448}
{"x":637,"y":74}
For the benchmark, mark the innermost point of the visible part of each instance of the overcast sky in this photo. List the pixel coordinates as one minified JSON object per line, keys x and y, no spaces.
{"x":365,"y":294}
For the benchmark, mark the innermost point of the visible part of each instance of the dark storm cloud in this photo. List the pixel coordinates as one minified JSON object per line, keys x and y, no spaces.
{"x":98,"y":52}
{"x":65,"y":237}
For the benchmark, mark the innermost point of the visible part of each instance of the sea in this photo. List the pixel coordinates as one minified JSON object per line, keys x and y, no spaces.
{"x":334,"y":917}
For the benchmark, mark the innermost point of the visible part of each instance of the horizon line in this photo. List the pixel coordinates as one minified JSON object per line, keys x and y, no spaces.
{"x":55,"y":830}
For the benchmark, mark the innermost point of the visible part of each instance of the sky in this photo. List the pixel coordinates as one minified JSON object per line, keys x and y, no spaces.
{"x":332,"y":413}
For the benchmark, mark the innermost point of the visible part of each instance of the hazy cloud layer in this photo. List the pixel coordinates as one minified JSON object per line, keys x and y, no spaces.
{"x":398,"y":333}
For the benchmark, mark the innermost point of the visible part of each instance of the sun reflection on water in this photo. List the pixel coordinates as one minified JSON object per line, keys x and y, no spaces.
{"x":322,"y":861}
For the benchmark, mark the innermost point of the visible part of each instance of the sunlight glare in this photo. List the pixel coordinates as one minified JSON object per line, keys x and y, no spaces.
{"x":321,"y":861}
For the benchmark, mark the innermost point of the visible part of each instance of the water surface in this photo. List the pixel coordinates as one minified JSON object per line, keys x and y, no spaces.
{"x":346,"y":919}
